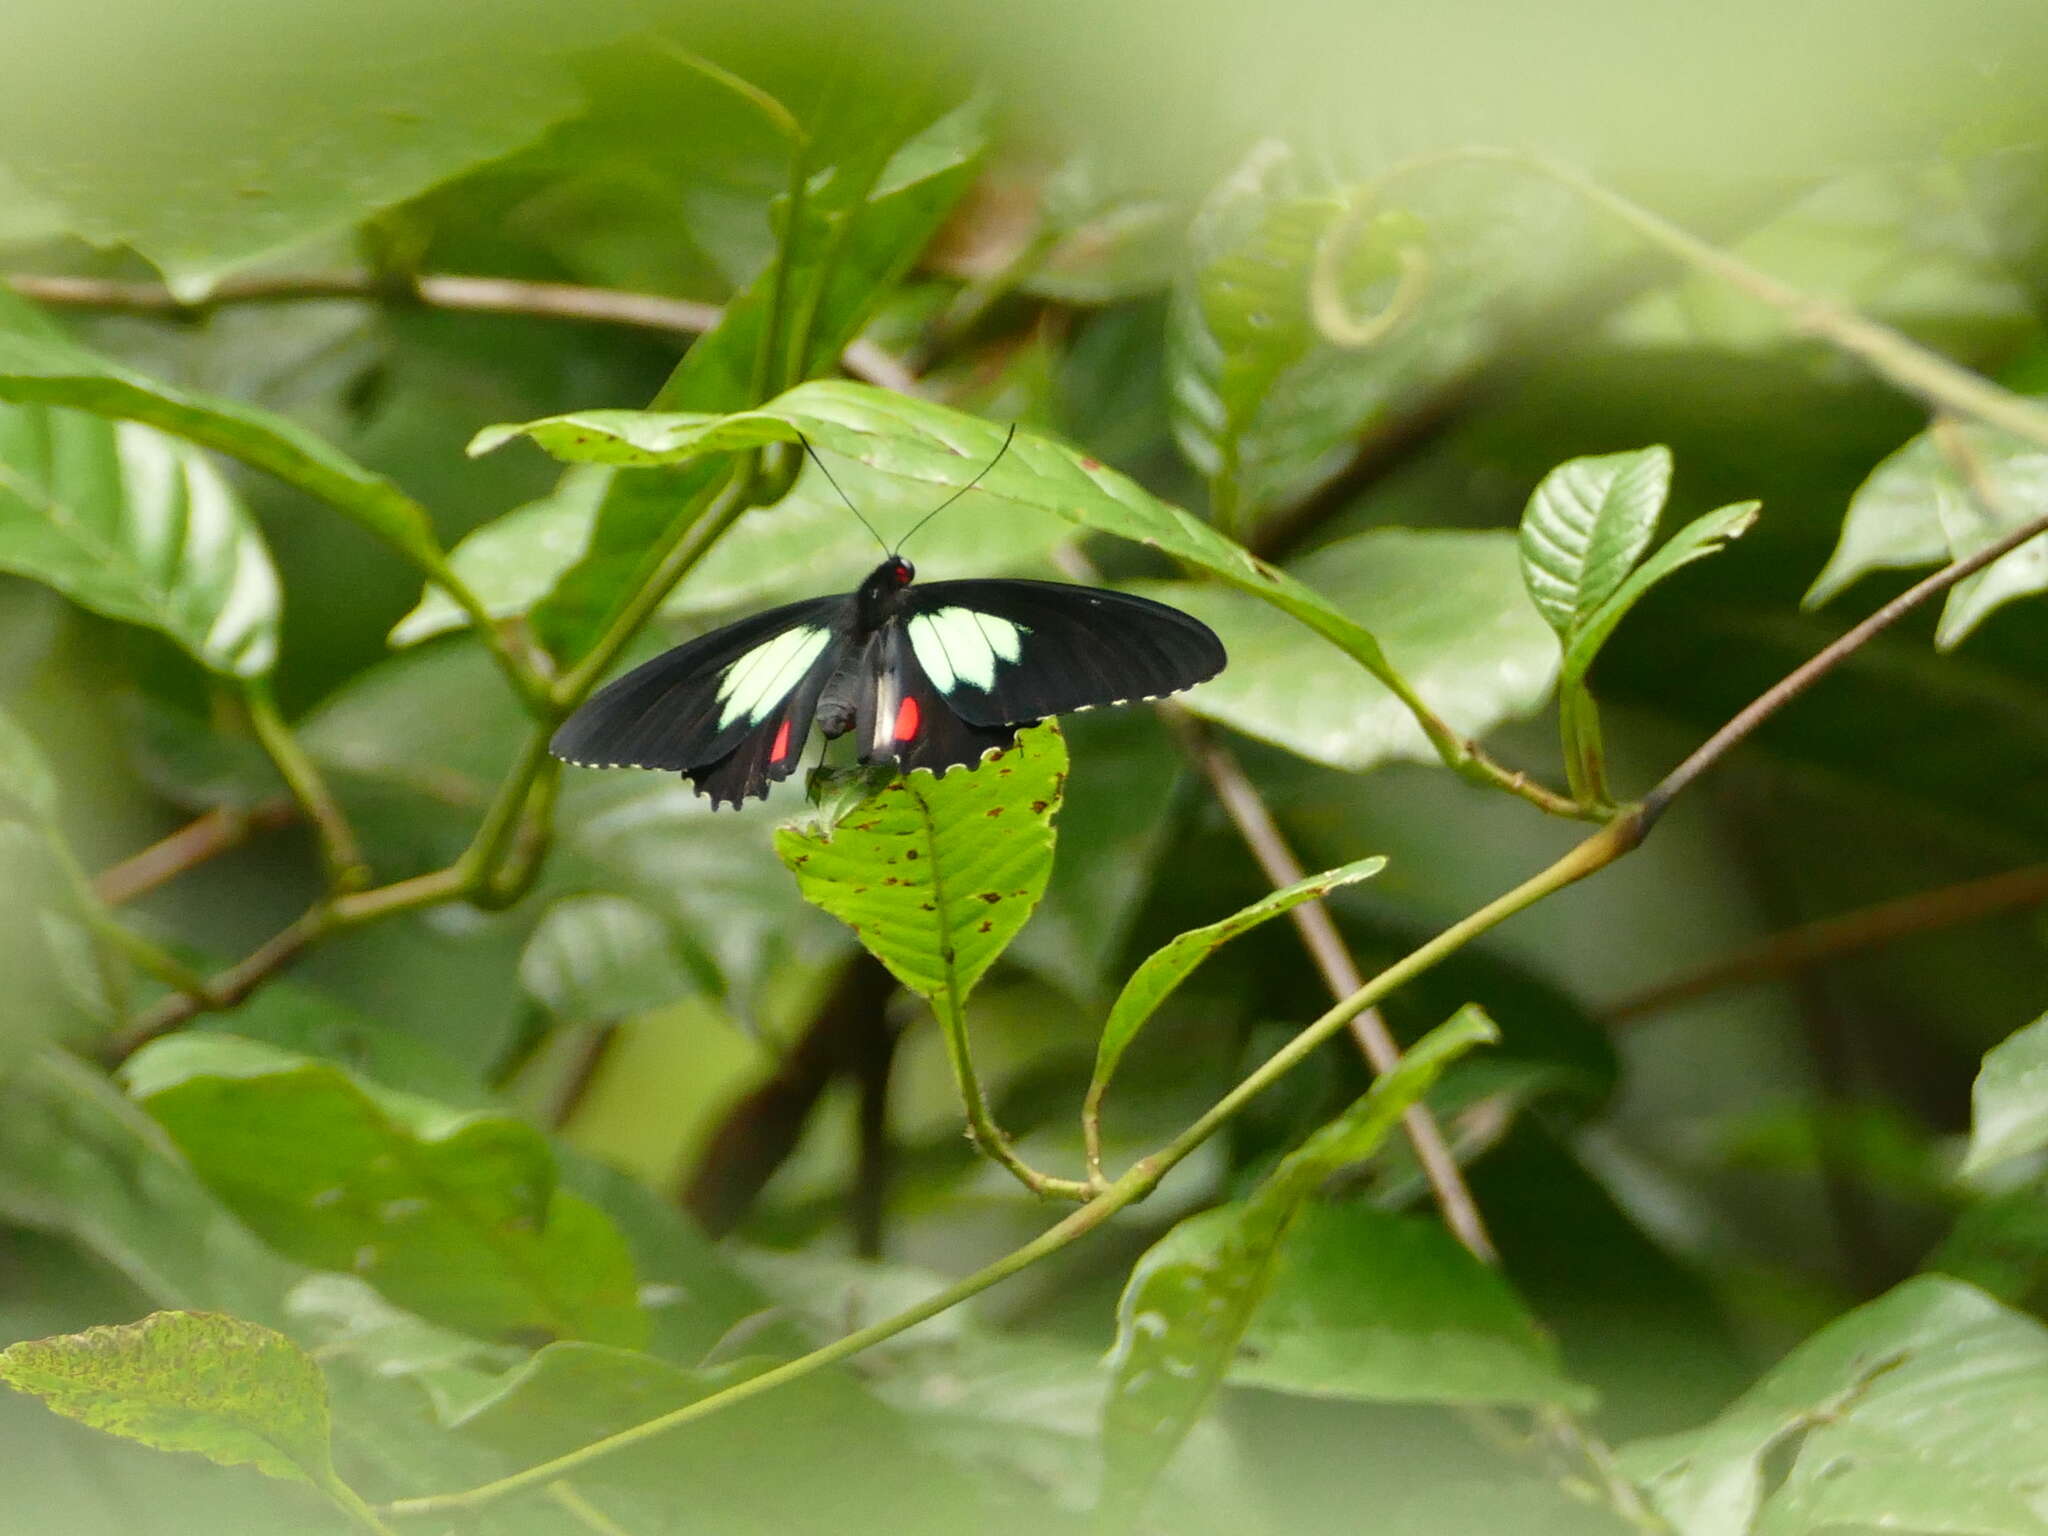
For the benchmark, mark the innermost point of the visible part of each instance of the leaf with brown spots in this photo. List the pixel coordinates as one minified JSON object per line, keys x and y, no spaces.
{"x":963,"y":862}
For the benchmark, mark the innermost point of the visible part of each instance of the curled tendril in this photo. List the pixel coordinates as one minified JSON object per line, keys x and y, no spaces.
{"x":1332,"y":316}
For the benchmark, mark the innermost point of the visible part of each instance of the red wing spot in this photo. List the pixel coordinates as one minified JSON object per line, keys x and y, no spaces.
{"x":780,"y":750}
{"x":907,"y":714}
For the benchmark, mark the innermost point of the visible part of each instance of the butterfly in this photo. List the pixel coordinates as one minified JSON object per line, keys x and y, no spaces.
{"x":932,"y":676}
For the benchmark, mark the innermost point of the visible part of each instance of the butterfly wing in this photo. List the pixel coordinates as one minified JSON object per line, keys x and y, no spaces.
{"x":730,"y":709}
{"x":1009,"y":652}
{"x":904,"y":719}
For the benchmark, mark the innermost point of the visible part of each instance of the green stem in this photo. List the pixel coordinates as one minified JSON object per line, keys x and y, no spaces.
{"x":1585,"y":756}
{"x":340,"y":853}
{"x":527,"y":682}
{"x":682,"y":547}
{"x":353,"y":1505}
{"x":1595,"y":853}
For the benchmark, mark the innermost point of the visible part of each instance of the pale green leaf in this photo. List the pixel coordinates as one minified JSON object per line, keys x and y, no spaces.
{"x":1586,"y":525}
{"x":27,"y":782}
{"x":2009,"y":1104}
{"x":138,"y":526}
{"x":1919,"y":508}
{"x":454,"y":1215}
{"x":930,"y":451}
{"x":1920,"y":1411}
{"x":231,"y":1391}
{"x":39,"y":365}
{"x":1447,"y":605}
{"x":1162,"y":971}
{"x":935,"y":874}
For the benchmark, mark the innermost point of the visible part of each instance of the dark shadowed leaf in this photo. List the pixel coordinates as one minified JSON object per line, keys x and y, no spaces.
{"x":231,"y":1391}
{"x":454,"y":1215}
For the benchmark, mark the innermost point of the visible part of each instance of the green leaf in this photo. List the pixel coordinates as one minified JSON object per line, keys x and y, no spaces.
{"x":1917,"y":509}
{"x":930,"y":451}
{"x":816,"y":1455}
{"x":596,"y":959}
{"x":2009,"y":1103}
{"x":1240,"y":319}
{"x":1162,"y":971}
{"x":28,"y":785}
{"x":177,"y":150}
{"x":453,"y":1215}
{"x":77,"y":1158}
{"x":234,"y":1392}
{"x":641,"y":439}
{"x":936,"y":874}
{"x":1449,"y":609}
{"x":512,"y":562}
{"x":140,"y":527}
{"x":1379,"y":1307}
{"x":39,"y":365}
{"x":1586,"y":525}
{"x":863,"y":221}
{"x":1917,"y":1412}
{"x":1191,"y":1298}
{"x":1705,"y":535}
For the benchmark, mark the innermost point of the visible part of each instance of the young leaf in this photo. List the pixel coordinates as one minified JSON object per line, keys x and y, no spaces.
{"x":231,"y":1391}
{"x":1920,"y":508}
{"x":1587,"y":523}
{"x":860,"y":224}
{"x":1240,"y":317}
{"x":932,"y":451}
{"x":453,"y":1215}
{"x":2009,"y":1104}
{"x":39,"y":365}
{"x":1449,"y":611}
{"x":936,"y":874}
{"x":1166,"y":968}
{"x":1703,"y":536}
{"x":140,"y":527}
{"x":1918,"y":1412}
{"x":1190,"y":1299}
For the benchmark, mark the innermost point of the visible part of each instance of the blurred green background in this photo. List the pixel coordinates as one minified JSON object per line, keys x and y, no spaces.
{"x":1681,"y":1190}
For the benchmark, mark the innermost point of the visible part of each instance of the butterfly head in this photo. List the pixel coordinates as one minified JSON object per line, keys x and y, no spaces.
{"x":881,"y":593}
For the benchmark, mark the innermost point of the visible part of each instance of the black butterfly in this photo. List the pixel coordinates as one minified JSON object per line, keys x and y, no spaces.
{"x":927,"y":677}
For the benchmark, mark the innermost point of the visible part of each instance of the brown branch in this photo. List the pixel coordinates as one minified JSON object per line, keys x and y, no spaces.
{"x":212,"y":834}
{"x":1801,"y":678}
{"x":1831,"y":937}
{"x":224,"y":990}
{"x":476,"y":295}
{"x":1247,"y":811}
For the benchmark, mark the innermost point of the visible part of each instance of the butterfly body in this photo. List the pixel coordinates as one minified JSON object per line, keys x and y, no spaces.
{"x":930,"y":676}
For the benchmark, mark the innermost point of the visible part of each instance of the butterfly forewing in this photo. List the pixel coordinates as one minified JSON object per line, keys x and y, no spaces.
{"x":1010,"y":652}
{"x":730,"y":707}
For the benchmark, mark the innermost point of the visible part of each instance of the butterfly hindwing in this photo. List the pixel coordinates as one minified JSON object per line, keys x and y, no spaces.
{"x":1006,"y":652}
{"x":730,"y":708}
{"x":903,"y":717}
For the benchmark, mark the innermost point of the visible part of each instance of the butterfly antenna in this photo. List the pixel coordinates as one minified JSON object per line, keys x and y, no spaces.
{"x":842,"y":495}
{"x":970,"y":485}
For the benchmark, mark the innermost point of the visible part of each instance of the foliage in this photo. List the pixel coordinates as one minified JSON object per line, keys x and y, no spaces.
{"x":598,"y":1166}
